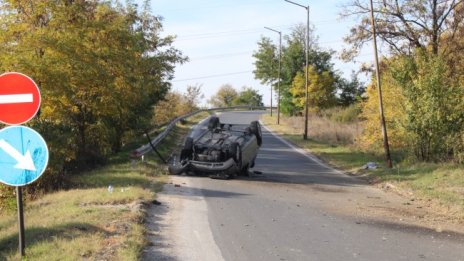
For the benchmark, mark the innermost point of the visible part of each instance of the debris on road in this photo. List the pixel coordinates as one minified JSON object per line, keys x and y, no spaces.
{"x":370,"y":165}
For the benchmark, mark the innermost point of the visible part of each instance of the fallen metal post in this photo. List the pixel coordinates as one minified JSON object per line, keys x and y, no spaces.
{"x":154,"y":148}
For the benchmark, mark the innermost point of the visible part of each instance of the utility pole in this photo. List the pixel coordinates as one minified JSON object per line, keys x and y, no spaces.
{"x":379,"y":88}
{"x":280,"y":69}
{"x":271,"y":91}
{"x":305,"y":135}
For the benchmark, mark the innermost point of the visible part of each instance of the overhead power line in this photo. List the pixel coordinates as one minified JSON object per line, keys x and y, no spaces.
{"x":211,"y":76}
{"x":215,"y":4}
{"x":240,"y":32}
{"x":217,"y":34}
{"x":215,"y":56}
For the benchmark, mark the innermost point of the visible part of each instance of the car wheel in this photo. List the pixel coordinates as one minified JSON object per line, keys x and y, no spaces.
{"x":213,"y":123}
{"x":255,"y":128}
{"x":252,"y":165}
{"x":245,"y":171}
{"x":236,"y":153}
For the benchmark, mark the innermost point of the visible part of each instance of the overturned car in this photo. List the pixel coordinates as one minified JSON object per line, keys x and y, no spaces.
{"x":222,"y":151}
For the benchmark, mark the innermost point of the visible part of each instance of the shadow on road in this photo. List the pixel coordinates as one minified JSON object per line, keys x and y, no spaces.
{"x":280,"y":163}
{"x":417,"y":230}
{"x":310,"y":178}
{"x":192,"y":192}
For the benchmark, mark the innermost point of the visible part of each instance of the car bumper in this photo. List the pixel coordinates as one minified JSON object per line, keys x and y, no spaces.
{"x":207,"y":167}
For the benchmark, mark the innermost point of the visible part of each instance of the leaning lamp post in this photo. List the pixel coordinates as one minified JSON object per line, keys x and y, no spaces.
{"x":305,"y":135}
{"x":280,"y":68}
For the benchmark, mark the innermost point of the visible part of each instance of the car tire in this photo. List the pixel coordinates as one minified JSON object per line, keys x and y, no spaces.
{"x":252,"y":165}
{"x":245,"y":171}
{"x":255,"y":129}
{"x":213,"y":123}
{"x":235,"y":152}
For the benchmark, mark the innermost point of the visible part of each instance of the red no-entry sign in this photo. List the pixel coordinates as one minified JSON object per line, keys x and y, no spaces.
{"x":19,"y":98}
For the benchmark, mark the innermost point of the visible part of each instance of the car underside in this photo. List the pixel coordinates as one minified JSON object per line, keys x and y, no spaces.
{"x":223,"y":151}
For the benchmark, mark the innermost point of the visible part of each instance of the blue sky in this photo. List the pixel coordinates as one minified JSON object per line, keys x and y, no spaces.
{"x":220,"y":37}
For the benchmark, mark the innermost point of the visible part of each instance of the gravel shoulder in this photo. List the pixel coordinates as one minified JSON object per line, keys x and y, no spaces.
{"x":178,"y":227}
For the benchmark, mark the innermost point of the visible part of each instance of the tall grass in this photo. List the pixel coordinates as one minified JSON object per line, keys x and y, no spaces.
{"x":322,"y":128}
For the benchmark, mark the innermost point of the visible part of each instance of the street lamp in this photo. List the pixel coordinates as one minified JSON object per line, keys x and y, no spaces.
{"x":280,"y":68}
{"x":305,"y":135}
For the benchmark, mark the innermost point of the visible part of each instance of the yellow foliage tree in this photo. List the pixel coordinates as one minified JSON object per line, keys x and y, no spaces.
{"x":176,"y":104}
{"x":168,"y":108}
{"x":423,"y":106}
{"x":321,"y":90}
{"x":395,"y":116}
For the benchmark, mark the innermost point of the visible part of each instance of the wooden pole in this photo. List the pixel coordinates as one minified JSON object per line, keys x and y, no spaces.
{"x":379,"y":88}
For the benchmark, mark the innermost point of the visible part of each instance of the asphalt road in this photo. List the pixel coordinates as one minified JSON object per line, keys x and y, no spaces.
{"x":297,"y":209}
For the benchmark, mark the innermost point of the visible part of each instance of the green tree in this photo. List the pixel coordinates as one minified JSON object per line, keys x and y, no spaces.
{"x":248,"y":96}
{"x":435,"y":114}
{"x":224,"y":97}
{"x":293,"y":61}
{"x":350,"y":91}
{"x":267,"y":60}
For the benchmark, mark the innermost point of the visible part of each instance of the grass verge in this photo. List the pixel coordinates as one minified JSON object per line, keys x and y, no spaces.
{"x":442,"y":184}
{"x":88,"y":222}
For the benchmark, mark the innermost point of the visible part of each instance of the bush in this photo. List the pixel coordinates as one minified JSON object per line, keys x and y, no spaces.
{"x":435,"y":116}
{"x":348,"y":114}
{"x":423,"y":107}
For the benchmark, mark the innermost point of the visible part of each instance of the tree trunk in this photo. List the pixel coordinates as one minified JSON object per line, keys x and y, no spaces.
{"x":435,"y":28}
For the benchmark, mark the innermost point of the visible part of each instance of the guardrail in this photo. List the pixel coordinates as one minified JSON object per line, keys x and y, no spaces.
{"x":155,"y":141}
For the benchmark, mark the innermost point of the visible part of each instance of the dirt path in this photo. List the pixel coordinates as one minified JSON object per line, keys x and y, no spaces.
{"x":178,"y":227}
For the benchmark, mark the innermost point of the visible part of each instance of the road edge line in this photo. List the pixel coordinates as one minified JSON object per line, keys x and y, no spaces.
{"x":304,"y":152}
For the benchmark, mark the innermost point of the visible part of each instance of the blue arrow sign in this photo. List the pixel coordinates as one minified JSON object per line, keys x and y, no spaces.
{"x":23,"y":155}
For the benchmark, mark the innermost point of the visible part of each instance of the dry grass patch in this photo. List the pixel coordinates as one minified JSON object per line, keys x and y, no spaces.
{"x":84,"y":223}
{"x":319,"y":128}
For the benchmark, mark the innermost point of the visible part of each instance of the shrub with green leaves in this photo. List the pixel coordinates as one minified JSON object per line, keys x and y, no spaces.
{"x":424,"y":109}
{"x":434,"y":107}
{"x":348,"y":114}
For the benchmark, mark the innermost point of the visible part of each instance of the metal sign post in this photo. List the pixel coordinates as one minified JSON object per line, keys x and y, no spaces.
{"x":19,"y":201}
